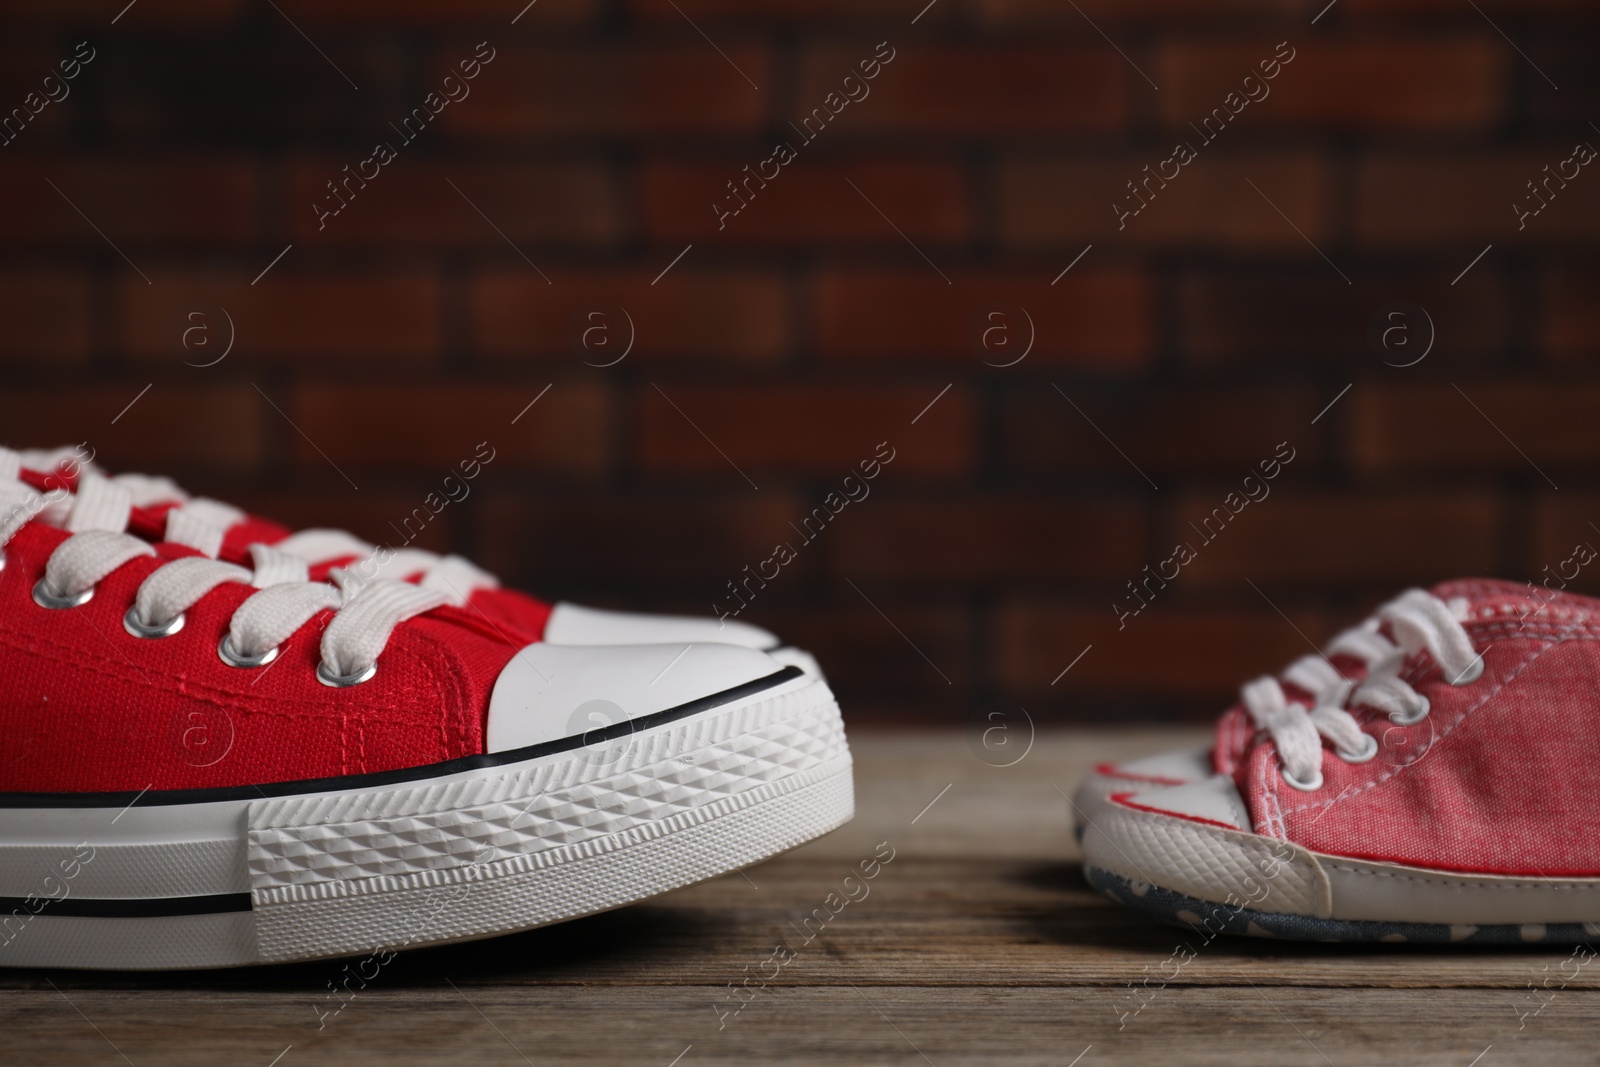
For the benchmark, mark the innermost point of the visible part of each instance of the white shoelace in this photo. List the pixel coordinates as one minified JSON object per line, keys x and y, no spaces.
{"x":366,"y":612}
{"x":1419,"y":621}
{"x":202,"y":524}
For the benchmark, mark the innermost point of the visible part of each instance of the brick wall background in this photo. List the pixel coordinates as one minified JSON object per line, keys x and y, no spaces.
{"x":901,"y":260}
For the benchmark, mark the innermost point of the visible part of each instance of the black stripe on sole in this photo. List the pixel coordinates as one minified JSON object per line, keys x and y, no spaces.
{"x":128,"y":908}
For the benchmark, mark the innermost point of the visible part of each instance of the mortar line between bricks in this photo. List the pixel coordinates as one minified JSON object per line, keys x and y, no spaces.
{"x":1513,"y":44}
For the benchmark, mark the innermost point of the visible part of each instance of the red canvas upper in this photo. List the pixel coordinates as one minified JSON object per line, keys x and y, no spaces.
{"x":1486,"y":781}
{"x":89,"y":707}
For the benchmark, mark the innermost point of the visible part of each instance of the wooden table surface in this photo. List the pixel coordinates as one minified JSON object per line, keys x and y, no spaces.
{"x":978,"y":943}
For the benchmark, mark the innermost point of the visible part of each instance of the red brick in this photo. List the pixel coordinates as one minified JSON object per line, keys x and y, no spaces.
{"x":702,"y":314}
{"x":1215,"y":429}
{"x":980,"y":91}
{"x":135,"y":203}
{"x":1571,"y":322}
{"x":986,"y":539}
{"x":809,"y":202}
{"x":1458,"y":426}
{"x":1360,"y":85}
{"x":1210,"y":203}
{"x":44,"y":315}
{"x":411,"y":202}
{"x":437,"y":426}
{"x":167,"y":429}
{"x":865,"y":656}
{"x":636,"y":545}
{"x":1446,"y":7}
{"x":820,"y":11}
{"x":1100,"y":319}
{"x":1326,"y":540}
{"x":1563,"y":534}
{"x":1256,"y":317}
{"x":495,"y":15}
{"x":1427,"y":201}
{"x":287,"y":313}
{"x":802,"y":428}
{"x":612,"y":91}
{"x":23,"y":71}
{"x":1166,"y":651}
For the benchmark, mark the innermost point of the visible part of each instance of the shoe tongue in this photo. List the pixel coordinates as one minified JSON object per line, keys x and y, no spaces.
{"x":1478,"y":590}
{"x":1488,"y":595}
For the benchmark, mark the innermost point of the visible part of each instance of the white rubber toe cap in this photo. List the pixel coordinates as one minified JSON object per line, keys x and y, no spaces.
{"x":548,"y":692}
{"x":1215,"y":800}
{"x":571,"y":624}
{"x":1176,"y":767}
{"x":1171,"y":768}
{"x":1195,"y":839}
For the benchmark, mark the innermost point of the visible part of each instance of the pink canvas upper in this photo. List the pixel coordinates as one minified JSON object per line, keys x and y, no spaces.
{"x":1497,"y":778}
{"x":1236,"y":733}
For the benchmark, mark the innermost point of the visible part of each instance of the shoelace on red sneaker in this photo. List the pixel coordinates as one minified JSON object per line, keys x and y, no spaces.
{"x":1419,"y":621}
{"x":366,"y":612}
{"x":203,"y":524}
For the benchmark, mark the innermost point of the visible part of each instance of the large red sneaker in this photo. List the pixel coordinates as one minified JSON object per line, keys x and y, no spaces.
{"x":209,"y":765}
{"x":1481,"y":824}
{"x":163,"y":511}
{"x":1312,"y":680}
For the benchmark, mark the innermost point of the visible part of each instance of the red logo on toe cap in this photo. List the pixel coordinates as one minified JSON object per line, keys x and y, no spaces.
{"x":1124,"y":800}
{"x":1111,"y":770}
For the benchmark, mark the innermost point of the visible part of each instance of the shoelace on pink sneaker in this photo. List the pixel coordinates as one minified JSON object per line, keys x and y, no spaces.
{"x":1264,"y":699}
{"x":366,"y":612}
{"x":1419,"y":621}
{"x":203,"y":524}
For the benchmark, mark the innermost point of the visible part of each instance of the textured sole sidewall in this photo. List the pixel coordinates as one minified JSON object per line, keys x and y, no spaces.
{"x":465,"y":856}
{"x":1266,"y":877}
{"x":1209,"y":863}
{"x":476,"y":902}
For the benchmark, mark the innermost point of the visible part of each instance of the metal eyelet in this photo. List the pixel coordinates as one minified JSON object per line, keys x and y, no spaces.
{"x":1400,"y":718}
{"x":1369,"y":748}
{"x":1473,"y":672}
{"x":43,"y":597}
{"x":1304,"y":787}
{"x":131,"y":623}
{"x":226,"y":653}
{"x":344,"y":681}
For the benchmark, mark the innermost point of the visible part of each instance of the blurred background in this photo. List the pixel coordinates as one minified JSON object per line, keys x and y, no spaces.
{"x":1072,"y":372}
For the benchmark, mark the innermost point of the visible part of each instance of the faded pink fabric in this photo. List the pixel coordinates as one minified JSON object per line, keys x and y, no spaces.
{"x":1500,"y":777}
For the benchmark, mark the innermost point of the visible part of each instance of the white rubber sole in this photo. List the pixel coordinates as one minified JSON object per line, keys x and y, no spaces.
{"x":174,"y":881}
{"x":1140,"y":851}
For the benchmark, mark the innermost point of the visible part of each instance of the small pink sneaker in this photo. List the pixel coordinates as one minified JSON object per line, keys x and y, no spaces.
{"x":1311,"y":680}
{"x":1481,"y":822}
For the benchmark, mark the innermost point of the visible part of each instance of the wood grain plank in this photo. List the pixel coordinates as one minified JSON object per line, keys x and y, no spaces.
{"x":978,"y":942}
{"x":1234,"y":1027}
